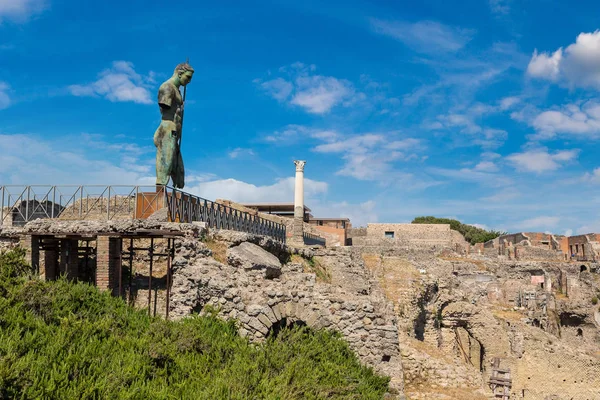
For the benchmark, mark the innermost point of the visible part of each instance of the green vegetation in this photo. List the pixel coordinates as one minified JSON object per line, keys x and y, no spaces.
{"x":471,"y":233}
{"x":594,"y":300}
{"x":60,"y":340}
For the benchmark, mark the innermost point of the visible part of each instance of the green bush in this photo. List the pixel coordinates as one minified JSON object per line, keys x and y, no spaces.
{"x":594,"y":300}
{"x":471,"y":233}
{"x":60,"y":340}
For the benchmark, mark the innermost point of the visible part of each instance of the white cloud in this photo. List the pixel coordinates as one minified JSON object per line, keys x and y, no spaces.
{"x":20,"y":10}
{"x":592,"y":177}
{"x":239,"y":151}
{"x":118,"y":83}
{"x":316,"y":94}
{"x":76,"y":159}
{"x":508,"y":102}
{"x":500,"y":6}
{"x":568,"y":232}
{"x":537,"y":223}
{"x":370,"y":156}
{"x":278,"y":88}
{"x":486,"y":166}
{"x":473,"y":175}
{"x":468,"y":124}
{"x":243,"y":192}
{"x":544,"y":65}
{"x":577,"y":66}
{"x":539,"y":160}
{"x":319,"y":94}
{"x":425,"y":36}
{"x":359,"y":214}
{"x":4,"y":97}
{"x":292,"y":133}
{"x":574,"y":120}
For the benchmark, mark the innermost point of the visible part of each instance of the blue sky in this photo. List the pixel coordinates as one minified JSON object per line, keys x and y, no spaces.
{"x":487,"y":112}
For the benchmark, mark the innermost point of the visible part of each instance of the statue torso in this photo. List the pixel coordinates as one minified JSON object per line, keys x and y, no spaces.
{"x":169,"y":100}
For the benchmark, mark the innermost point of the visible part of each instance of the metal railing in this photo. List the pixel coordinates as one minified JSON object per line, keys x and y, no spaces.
{"x":311,"y":239}
{"x":20,"y":204}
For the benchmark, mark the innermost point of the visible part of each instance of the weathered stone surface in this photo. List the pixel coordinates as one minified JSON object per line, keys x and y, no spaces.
{"x":252,"y":257}
{"x":199,"y":280}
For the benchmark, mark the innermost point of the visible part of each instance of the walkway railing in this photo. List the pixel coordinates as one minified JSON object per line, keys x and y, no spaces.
{"x":311,"y":239}
{"x":20,"y":204}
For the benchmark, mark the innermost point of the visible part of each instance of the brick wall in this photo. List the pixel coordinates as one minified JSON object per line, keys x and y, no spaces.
{"x":108,"y":258}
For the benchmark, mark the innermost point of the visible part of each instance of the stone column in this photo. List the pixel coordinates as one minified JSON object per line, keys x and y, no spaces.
{"x":298,"y":234}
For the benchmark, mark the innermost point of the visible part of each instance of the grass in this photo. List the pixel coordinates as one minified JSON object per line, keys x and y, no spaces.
{"x":63,"y":340}
{"x":312,"y":265}
{"x":218,"y":249}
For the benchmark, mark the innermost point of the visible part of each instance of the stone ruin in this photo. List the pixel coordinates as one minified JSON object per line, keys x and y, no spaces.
{"x":440,"y":320}
{"x":263,"y":284}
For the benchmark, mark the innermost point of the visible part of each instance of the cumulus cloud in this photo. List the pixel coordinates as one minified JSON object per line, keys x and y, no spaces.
{"x":540,"y":160}
{"x":119,"y":83}
{"x":425,"y":36}
{"x":577,"y":66}
{"x":20,"y":10}
{"x":545,"y":65}
{"x":4,"y":97}
{"x":316,"y":94}
{"x":582,"y":120}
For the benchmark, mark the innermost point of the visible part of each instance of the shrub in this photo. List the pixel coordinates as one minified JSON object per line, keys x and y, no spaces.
{"x":13,"y":264}
{"x":471,"y":233}
{"x":594,"y":300}
{"x":63,"y":340}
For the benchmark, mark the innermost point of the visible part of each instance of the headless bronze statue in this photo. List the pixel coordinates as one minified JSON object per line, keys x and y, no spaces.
{"x":167,"y":138}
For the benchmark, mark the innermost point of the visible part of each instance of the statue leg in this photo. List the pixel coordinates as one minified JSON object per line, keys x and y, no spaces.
{"x":178,"y":174}
{"x":164,"y":159}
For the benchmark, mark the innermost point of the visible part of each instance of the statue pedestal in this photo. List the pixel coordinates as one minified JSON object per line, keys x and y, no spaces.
{"x":147,"y":203}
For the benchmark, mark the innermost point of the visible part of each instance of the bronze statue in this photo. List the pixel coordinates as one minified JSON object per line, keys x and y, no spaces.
{"x":167,"y":138}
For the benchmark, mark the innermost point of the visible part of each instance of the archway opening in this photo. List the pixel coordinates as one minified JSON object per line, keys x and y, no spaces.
{"x":284,"y":323}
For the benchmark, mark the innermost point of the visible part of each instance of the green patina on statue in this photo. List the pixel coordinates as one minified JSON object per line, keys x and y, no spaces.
{"x":167,"y":138}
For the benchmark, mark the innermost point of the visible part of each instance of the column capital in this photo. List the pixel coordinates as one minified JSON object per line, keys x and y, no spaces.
{"x":299,"y":165}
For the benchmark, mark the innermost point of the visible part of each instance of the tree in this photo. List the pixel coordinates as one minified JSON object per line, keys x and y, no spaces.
{"x":471,"y":233}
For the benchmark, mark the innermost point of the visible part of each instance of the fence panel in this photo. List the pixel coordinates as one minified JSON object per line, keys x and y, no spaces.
{"x":20,"y":204}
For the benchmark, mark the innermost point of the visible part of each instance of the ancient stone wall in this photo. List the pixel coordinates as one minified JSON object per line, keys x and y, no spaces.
{"x":263,"y":301}
{"x":429,"y":234}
